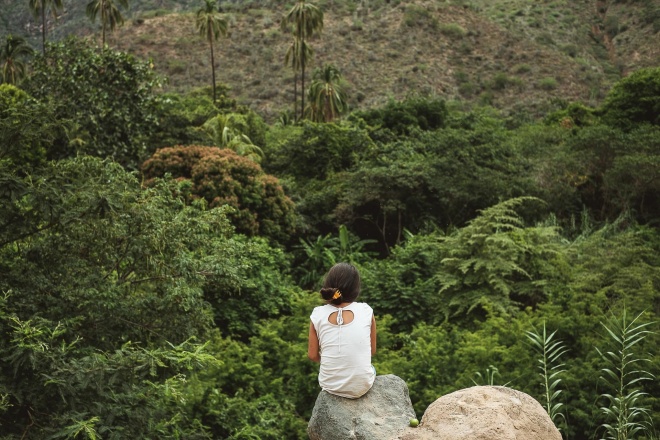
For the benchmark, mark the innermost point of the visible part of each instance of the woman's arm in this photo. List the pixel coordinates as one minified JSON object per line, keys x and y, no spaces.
{"x":313,"y":345}
{"x":373,"y":335}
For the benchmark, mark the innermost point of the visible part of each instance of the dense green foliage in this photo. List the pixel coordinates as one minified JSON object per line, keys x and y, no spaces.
{"x":106,"y":95}
{"x":635,"y":99}
{"x":102,"y":310}
{"x":223,"y":178}
{"x":169,"y":303}
{"x":27,"y":128}
{"x":402,"y":117}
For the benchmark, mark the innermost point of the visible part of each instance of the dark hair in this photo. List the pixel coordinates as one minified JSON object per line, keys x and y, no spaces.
{"x":342,"y":277}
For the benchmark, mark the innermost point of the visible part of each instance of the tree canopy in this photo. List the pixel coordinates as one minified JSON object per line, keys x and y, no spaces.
{"x":154,"y":286}
{"x":106,"y":95}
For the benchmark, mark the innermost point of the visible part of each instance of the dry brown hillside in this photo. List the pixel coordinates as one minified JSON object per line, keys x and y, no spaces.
{"x":423,"y":47}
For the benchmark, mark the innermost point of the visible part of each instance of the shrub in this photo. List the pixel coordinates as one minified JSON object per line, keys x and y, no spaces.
{"x":522,"y":69}
{"x":222,"y":177}
{"x":612,"y":25}
{"x":452,"y":30}
{"x":415,"y":16}
{"x":547,"y":83}
{"x":315,"y":150}
{"x":467,"y":89}
{"x":570,"y":49}
{"x":634,"y":100}
{"x":402,"y":116}
{"x":499,"y":82}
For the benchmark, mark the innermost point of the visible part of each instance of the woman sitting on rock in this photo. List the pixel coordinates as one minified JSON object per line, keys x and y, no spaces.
{"x":342,"y":335}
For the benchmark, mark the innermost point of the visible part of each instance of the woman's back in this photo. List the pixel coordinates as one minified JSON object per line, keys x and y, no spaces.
{"x":344,"y":335}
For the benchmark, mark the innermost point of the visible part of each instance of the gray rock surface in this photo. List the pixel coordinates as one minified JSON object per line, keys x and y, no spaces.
{"x":378,"y":415}
{"x":483,"y":413}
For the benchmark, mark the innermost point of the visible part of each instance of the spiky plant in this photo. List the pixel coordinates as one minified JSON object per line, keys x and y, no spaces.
{"x":13,"y":55}
{"x":488,"y":378}
{"x":550,"y":351}
{"x":228,"y":131}
{"x":625,"y":413}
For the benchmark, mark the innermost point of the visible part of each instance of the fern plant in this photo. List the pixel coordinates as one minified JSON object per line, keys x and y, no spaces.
{"x":625,"y":413}
{"x":550,"y":351}
{"x":494,"y":262}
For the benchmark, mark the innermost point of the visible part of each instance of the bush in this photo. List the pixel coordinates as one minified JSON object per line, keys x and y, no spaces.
{"x":453,"y":30}
{"x":547,"y":83}
{"x":417,"y":16}
{"x":467,"y":89}
{"x":634,"y":100}
{"x":500,"y":81}
{"x":222,"y":177}
{"x":401,"y":117}
{"x":315,"y":150}
{"x":521,"y":69}
{"x":611,"y":25}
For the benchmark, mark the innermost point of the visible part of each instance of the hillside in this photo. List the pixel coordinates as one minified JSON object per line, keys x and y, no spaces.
{"x":513,"y":54}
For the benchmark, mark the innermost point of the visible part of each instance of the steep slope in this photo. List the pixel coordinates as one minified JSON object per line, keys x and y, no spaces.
{"x":521,"y":56}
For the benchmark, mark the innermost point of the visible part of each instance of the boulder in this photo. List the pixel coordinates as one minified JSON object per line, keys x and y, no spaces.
{"x":484,"y":413}
{"x":378,"y":415}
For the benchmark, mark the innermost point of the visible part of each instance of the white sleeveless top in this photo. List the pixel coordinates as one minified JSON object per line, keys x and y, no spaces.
{"x":346,"y":369}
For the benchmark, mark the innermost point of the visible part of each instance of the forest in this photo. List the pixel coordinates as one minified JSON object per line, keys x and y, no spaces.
{"x":161,"y":251}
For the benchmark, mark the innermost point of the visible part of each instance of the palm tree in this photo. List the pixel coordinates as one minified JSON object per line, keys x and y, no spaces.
{"x":296,"y":54}
{"x":111,"y":17}
{"x":12,"y":54}
{"x":38,"y":8}
{"x":228,"y":131}
{"x":307,"y":21}
{"x":327,"y":97}
{"x":211,"y":24}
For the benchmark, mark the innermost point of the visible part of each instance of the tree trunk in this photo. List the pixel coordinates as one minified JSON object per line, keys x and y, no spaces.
{"x":43,"y":27}
{"x":212,"y":67}
{"x":302,"y":91}
{"x":104,"y":20}
{"x":295,"y":96}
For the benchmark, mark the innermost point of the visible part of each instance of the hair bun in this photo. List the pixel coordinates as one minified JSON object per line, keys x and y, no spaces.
{"x":328,"y":292}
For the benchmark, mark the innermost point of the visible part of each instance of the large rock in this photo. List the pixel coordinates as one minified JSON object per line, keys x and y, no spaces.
{"x":484,"y":413}
{"x":378,"y":415}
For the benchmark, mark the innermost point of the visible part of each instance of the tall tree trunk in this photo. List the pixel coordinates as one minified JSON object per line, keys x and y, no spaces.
{"x":302,"y":92}
{"x":329,"y":110}
{"x":43,"y":27}
{"x":212,"y":68}
{"x":104,"y":20}
{"x":295,"y":96}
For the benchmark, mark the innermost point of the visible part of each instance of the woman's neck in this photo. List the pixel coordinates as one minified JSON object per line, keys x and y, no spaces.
{"x":342,"y":305}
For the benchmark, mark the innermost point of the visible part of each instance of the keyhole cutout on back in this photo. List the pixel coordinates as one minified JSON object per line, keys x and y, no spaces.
{"x":346,"y":314}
